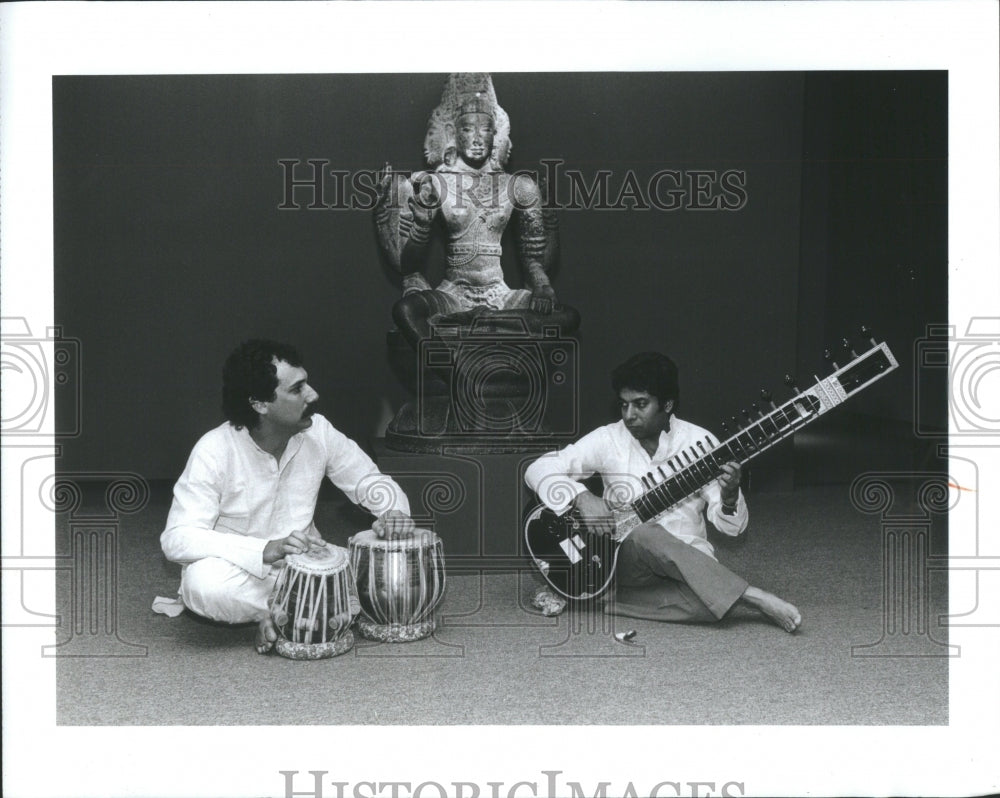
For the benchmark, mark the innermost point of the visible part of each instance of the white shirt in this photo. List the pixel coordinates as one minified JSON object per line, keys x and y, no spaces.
{"x":619,"y":458}
{"x":234,"y":497}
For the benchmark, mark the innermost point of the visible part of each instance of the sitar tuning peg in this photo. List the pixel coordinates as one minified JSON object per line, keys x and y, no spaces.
{"x":869,"y":333}
{"x":848,"y":348}
{"x":828,"y":357}
{"x":790,"y":382}
{"x":765,"y":396}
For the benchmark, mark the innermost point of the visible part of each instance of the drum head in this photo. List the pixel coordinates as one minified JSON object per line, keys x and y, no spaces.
{"x":421,"y":538}
{"x":325,"y":559}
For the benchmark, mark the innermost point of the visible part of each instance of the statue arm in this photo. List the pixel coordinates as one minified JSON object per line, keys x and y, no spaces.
{"x":422,"y":205}
{"x":535,"y":234}
{"x":403,"y":226}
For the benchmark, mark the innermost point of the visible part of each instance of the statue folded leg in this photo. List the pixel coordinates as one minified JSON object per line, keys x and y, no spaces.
{"x":417,"y":313}
{"x":413,"y":313}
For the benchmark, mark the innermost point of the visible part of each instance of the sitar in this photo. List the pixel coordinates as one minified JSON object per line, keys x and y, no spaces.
{"x":579,"y":563}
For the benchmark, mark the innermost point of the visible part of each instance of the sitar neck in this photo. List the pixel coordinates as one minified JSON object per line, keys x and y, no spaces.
{"x":702,"y":463}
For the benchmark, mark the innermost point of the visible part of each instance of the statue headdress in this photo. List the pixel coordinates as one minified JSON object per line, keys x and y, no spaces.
{"x":464,"y":93}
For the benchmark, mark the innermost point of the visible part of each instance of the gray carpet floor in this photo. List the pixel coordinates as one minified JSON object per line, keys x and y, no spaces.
{"x":493,"y":660}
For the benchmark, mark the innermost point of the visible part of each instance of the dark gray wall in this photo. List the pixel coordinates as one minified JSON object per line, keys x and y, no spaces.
{"x":875,"y":222}
{"x":170,"y":247}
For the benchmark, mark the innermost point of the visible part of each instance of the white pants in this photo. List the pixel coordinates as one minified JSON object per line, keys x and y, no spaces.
{"x":221,"y":591}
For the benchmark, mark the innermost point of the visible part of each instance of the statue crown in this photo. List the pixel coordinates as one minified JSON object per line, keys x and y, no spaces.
{"x":479,"y":103}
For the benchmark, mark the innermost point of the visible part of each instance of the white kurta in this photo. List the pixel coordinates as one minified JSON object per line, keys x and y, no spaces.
{"x":621,"y":461}
{"x":234,"y":497}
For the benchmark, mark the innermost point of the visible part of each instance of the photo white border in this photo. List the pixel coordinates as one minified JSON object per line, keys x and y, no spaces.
{"x":39,"y":40}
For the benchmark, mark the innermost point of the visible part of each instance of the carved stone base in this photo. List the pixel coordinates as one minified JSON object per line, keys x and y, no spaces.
{"x":432,"y":425}
{"x":486,"y":386}
{"x":342,"y":644}
{"x":396,"y":633}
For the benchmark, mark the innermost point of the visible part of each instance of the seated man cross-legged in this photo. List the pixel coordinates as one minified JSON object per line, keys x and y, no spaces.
{"x":248,"y":494}
{"x":667,"y":570}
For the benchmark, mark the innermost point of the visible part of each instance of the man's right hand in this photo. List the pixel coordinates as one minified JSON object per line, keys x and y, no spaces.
{"x":595,"y":513}
{"x":295,"y":543}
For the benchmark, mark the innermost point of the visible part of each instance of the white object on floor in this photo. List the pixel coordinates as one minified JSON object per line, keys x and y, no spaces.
{"x":168,"y":606}
{"x":548,"y":602}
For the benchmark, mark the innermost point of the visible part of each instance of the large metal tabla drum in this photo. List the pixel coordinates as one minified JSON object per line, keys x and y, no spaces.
{"x":400,"y":583}
{"x":313,"y":604}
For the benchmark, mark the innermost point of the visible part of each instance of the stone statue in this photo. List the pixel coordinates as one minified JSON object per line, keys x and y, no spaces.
{"x":486,"y":362}
{"x":466,"y":148}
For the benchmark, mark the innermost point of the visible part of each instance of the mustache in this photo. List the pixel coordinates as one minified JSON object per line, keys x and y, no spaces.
{"x":310,"y":409}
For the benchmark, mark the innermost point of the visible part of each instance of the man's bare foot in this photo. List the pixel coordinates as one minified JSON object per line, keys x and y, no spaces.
{"x":781,"y":612}
{"x":267,"y":636}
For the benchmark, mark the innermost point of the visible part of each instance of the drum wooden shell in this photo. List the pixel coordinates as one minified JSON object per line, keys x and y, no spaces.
{"x":400,"y":584}
{"x":313,"y":604}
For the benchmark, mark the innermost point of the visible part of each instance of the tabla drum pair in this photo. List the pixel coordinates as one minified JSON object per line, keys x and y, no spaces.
{"x":394,"y":584}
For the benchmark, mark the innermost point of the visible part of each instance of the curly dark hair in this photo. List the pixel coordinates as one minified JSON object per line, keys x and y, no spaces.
{"x":651,"y":372}
{"x":250,"y":375}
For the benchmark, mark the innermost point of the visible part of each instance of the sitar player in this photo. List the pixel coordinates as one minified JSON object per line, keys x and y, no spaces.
{"x":667,"y":570}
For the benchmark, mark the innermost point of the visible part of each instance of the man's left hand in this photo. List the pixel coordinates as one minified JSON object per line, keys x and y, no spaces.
{"x":729,"y":482}
{"x":393,"y":524}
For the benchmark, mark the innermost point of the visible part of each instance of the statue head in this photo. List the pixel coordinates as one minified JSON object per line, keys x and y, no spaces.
{"x":475,"y":133}
{"x":469,"y":124}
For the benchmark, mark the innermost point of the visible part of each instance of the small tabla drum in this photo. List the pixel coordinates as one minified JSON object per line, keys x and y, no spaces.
{"x":400,"y":583}
{"x":313,"y":604}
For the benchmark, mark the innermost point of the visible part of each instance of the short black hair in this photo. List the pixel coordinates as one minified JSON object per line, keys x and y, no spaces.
{"x":652,"y":372}
{"x":250,"y":375}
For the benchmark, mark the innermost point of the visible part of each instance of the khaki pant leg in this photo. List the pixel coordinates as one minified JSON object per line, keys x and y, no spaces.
{"x":662,"y":578}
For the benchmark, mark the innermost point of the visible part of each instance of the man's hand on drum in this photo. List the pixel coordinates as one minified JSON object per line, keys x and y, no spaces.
{"x":393,"y":524}
{"x":296,"y":543}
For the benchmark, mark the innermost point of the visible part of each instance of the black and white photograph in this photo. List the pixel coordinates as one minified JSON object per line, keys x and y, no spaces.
{"x":373,"y":425}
